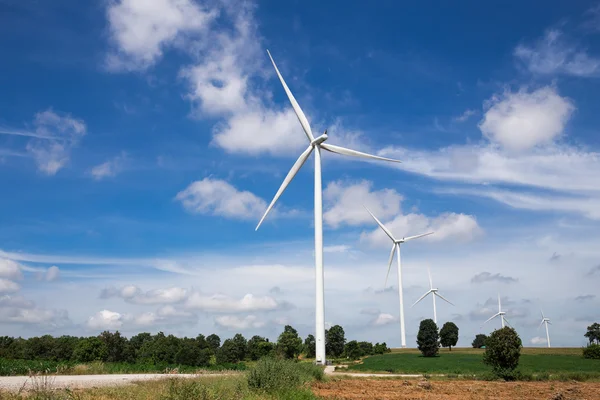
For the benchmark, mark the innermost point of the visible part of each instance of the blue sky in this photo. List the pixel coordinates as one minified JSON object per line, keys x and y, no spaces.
{"x":140,"y":145}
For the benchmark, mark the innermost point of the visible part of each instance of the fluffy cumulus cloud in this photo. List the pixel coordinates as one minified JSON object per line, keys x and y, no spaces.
{"x":109,"y":168}
{"x":222,"y":304}
{"x":140,"y":30}
{"x":133,"y":294}
{"x":8,"y":286}
{"x":521,"y":120}
{"x":106,"y":319}
{"x":217,"y":197}
{"x":234,"y":322}
{"x":489,"y":277}
{"x":55,"y":136}
{"x":554,"y":54}
{"x":345,"y":203}
{"x":10,"y":269}
{"x":384,"y":319}
{"x":16,"y":309}
{"x":537,"y":340}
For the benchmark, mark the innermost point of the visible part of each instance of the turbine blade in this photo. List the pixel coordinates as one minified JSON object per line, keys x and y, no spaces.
{"x":499,"y":304}
{"x":549,"y":322}
{"x":295,"y":168}
{"x":541,"y":323}
{"x":430,"y":281}
{"x":443,"y":298}
{"x":390,"y":265}
{"x":295,"y":106}
{"x":387,"y":232}
{"x":490,"y":318}
{"x":348,"y":152}
{"x":417,"y":236}
{"x":542,"y":313}
{"x":421,"y":298}
{"x":505,"y":320}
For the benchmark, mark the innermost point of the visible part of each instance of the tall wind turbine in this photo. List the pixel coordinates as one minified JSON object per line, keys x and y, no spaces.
{"x":434,"y":292}
{"x":396,"y":247}
{"x":545,"y":321}
{"x":317,"y":145}
{"x":500,"y":313}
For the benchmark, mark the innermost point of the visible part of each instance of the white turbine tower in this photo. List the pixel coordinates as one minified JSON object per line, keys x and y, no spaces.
{"x":545,"y":321}
{"x":434,"y":292}
{"x":500,"y":313}
{"x":317,"y":145}
{"x":396,"y":247}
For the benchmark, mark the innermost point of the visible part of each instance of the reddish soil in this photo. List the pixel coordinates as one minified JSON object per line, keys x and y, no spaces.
{"x":380,"y":389}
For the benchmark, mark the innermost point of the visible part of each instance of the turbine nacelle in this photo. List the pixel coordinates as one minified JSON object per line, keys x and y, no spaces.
{"x":319,"y":140}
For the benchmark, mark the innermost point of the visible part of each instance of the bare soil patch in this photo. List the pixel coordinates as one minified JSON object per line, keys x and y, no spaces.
{"x":384,"y":389}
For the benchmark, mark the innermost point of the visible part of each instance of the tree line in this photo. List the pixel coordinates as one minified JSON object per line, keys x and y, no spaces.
{"x":201,"y":351}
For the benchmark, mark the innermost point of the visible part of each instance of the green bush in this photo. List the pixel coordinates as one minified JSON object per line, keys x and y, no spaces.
{"x":502,"y":352}
{"x":479,"y":341}
{"x":592,"y":351}
{"x":279,"y":375}
{"x":428,"y":338}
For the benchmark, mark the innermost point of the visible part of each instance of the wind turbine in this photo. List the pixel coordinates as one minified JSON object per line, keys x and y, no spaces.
{"x":396,"y":247}
{"x":315,"y":145}
{"x":499,"y":313}
{"x":545,"y":321}
{"x":434,"y":292}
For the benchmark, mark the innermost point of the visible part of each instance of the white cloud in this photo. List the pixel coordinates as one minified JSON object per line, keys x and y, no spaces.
{"x":465,"y":116}
{"x":15,"y":301}
{"x":221,"y":303}
{"x":140,"y":30}
{"x":521,"y":120}
{"x":61,"y":134}
{"x":52,"y":273}
{"x":553,"y":54}
{"x":538,"y":340}
{"x":164,"y":315}
{"x":217,"y":197}
{"x":9,"y":269}
{"x":106,"y":319}
{"x":234,"y":322}
{"x":345,"y":201}
{"x":384,"y":319}
{"x":7,"y":286}
{"x":133,"y":294}
{"x":109,"y":168}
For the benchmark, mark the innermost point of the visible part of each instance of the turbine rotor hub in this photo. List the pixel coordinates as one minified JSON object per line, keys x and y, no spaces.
{"x":319,"y":140}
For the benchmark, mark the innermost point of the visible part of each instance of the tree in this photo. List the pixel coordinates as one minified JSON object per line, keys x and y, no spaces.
{"x":289,"y":344}
{"x":214,"y":342}
{"x":227,"y":353}
{"x":240,"y":346}
{"x":310,"y":346}
{"x":193,"y":352}
{"x":502,"y":352}
{"x":381,"y":348}
{"x":136,"y":342}
{"x":366,"y":348}
{"x":335,"y":340}
{"x":90,"y":349}
{"x":449,"y":335}
{"x":258,"y":347}
{"x":116,"y":346}
{"x":479,"y":341}
{"x":593,"y":333}
{"x":428,"y":338}
{"x":64,"y":348}
{"x":353,"y":350}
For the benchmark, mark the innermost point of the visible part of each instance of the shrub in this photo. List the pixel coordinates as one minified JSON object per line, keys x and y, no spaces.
{"x":381,"y":348}
{"x":427,"y":338}
{"x":479,"y":341}
{"x":592,"y":351}
{"x":449,"y":335}
{"x":502,"y":352}
{"x":279,"y":375}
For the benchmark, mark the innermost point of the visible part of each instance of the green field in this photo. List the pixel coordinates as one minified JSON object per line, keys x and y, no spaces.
{"x":469,"y":362}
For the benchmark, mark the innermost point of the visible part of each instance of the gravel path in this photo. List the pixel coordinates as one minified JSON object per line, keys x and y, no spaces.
{"x":86,"y":381}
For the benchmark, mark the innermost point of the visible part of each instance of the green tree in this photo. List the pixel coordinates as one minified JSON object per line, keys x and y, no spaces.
{"x":39,"y":348}
{"x":335,"y":340}
{"x":289,"y":344}
{"x":428,"y":338}
{"x":449,"y":335}
{"x":116,"y":346}
{"x":353,"y":350}
{"x":381,"y":348}
{"x":227,"y":353}
{"x":479,"y":341}
{"x":593,"y":333}
{"x":135,"y":344}
{"x":193,"y":352}
{"x":90,"y":349}
{"x":240,"y":346}
{"x":310,"y":346}
{"x":214,"y":342}
{"x":366,"y":348}
{"x":258,"y":347}
{"x":64,"y":347}
{"x":502,"y":352}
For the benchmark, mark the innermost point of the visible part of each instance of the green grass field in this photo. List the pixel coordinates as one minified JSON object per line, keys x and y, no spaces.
{"x":470,"y":362}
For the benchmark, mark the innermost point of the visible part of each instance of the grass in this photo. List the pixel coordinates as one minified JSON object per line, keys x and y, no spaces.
{"x":28,"y":367}
{"x":533,"y":362}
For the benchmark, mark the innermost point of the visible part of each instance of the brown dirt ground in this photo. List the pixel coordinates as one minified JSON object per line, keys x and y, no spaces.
{"x":384,"y":389}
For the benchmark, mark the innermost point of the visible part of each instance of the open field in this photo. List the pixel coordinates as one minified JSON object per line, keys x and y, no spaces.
{"x":534,"y":361}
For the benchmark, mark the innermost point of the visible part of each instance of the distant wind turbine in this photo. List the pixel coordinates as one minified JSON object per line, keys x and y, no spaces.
{"x":315,"y":145}
{"x":434,"y":292}
{"x":500,"y":313}
{"x":545,"y":321}
{"x":396,"y":247}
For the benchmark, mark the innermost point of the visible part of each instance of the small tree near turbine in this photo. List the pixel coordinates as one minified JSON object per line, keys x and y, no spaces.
{"x":449,"y":335}
{"x":502,"y":352}
{"x":479,"y":341}
{"x":310,"y":346}
{"x":428,"y":338}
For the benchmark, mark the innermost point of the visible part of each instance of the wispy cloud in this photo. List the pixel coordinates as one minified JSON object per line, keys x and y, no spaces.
{"x":109,"y":168}
{"x":465,"y":116}
{"x":585,"y":298}
{"x":489,"y":277}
